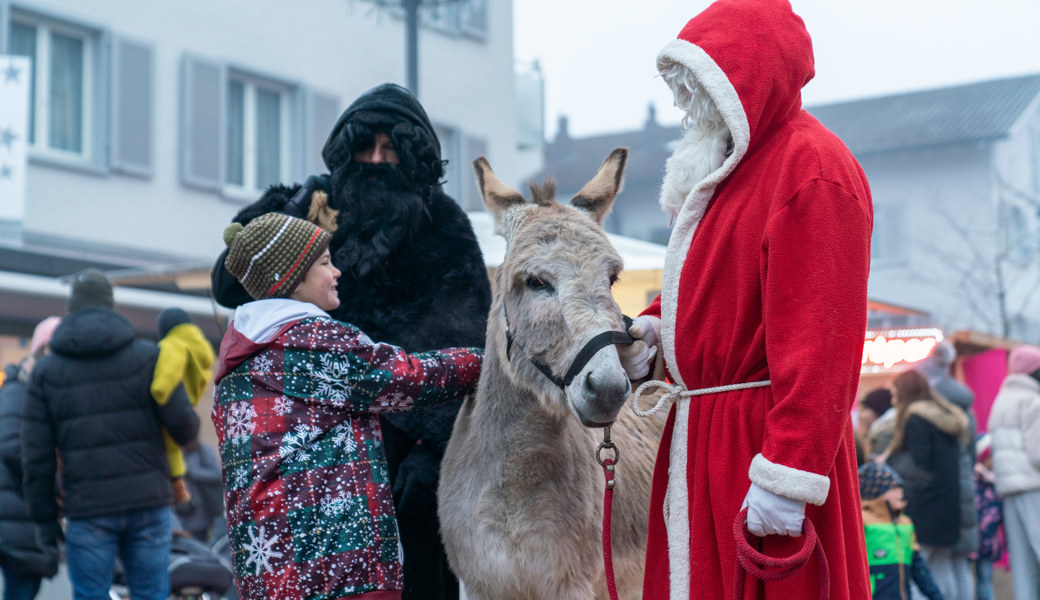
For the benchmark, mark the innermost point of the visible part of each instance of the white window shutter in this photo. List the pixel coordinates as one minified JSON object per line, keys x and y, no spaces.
{"x":320,"y":115}
{"x":133,"y":108}
{"x":203,"y":85}
{"x":473,"y":148}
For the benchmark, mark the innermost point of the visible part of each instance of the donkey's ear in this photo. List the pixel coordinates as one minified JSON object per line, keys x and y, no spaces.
{"x":598,"y":195}
{"x":499,"y":198}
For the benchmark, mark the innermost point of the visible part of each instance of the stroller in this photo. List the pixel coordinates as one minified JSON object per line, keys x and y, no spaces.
{"x":196,"y":573}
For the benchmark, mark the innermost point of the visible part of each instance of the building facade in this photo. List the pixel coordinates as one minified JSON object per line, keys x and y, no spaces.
{"x":152,"y":124}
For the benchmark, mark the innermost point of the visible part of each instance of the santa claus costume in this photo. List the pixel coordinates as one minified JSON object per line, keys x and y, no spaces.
{"x":765,"y":280}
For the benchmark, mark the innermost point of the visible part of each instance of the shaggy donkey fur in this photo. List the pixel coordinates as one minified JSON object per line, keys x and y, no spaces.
{"x":521,"y":493}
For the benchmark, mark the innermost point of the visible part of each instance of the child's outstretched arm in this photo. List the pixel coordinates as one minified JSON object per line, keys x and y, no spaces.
{"x":339,"y":364}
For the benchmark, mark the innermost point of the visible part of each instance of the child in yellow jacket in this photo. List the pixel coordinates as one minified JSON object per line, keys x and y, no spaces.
{"x":185,"y":357}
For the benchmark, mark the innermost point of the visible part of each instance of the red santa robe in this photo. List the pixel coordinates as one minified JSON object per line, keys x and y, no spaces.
{"x":765,"y":279}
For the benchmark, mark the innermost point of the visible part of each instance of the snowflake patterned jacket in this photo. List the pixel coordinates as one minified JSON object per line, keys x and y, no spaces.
{"x":309,"y":506}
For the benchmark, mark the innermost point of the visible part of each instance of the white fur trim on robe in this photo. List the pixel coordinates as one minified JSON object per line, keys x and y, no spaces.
{"x":789,"y":482}
{"x":718,"y":86}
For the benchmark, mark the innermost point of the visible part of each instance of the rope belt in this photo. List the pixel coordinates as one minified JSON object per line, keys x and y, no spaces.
{"x":675,"y":393}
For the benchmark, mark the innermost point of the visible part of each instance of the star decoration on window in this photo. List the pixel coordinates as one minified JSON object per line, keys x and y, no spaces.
{"x":11,"y":72}
{"x":7,"y":137}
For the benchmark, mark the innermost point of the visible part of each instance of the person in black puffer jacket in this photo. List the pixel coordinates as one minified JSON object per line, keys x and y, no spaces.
{"x":23,"y":560}
{"x":412,"y":275}
{"x":90,"y":403}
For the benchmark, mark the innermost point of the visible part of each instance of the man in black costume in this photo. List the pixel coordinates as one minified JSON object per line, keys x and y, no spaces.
{"x":413,"y":276}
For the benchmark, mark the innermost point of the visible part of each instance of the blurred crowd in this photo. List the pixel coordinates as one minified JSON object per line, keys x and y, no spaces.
{"x":100,"y":462}
{"x":945,"y":498}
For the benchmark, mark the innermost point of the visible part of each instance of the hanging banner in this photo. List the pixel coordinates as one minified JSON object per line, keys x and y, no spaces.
{"x":14,"y":135}
{"x":893,"y":350}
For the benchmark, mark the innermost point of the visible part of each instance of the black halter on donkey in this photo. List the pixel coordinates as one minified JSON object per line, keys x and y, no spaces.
{"x":593,"y":346}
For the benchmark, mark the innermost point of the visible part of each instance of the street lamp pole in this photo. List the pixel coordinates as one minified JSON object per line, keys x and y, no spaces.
{"x":411,"y":9}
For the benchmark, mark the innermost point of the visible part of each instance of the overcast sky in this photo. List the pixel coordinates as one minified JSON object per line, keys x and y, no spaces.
{"x":598,"y":56}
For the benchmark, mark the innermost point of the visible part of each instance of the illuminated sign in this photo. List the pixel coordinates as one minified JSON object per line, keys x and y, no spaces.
{"x":892,"y":350}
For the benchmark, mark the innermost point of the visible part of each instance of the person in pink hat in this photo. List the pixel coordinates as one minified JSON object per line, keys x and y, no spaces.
{"x":765,"y":290}
{"x":27,"y":554}
{"x":1014,"y":426}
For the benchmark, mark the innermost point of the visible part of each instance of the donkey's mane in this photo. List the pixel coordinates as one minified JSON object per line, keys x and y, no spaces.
{"x":544,"y":193}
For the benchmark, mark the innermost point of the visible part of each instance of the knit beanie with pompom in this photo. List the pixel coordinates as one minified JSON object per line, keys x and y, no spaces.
{"x":271,"y":255}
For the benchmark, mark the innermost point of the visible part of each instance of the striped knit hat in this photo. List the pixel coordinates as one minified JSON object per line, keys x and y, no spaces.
{"x":271,"y":255}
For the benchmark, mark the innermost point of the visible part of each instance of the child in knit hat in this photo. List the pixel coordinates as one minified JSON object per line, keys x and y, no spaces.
{"x":309,"y":506}
{"x":892,"y":551}
{"x":185,"y":358}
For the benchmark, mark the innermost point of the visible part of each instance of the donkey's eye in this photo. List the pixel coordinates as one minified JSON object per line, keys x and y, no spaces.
{"x":538,"y":284}
{"x":613,"y":279}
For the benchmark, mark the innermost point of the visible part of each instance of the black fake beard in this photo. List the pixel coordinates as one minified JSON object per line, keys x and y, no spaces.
{"x":380,"y":210}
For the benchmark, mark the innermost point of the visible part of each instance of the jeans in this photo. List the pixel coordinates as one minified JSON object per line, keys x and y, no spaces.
{"x":984,"y":579}
{"x":1022,"y":526}
{"x":18,"y":585}
{"x":951,"y":571}
{"x":141,"y":540}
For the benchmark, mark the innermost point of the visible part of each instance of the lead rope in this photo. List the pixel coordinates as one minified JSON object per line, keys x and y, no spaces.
{"x":748,"y":558}
{"x":608,"y":507}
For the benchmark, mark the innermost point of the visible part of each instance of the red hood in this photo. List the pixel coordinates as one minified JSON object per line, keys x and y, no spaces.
{"x":759,"y":49}
{"x":257,"y":325}
{"x":235,"y":348}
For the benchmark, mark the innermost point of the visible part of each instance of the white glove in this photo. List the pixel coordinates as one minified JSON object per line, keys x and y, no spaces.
{"x":770,"y":514}
{"x":637,"y":358}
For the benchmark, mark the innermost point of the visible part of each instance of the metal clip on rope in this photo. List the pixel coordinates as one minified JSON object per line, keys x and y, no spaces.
{"x":608,"y":508}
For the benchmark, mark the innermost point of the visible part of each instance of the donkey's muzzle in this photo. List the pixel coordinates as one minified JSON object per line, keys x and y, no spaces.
{"x":603,"y":393}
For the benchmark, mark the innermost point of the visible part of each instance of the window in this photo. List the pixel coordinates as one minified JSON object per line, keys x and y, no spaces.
{"x":61,"y":92}
{"x":242,"y":132}
{"x":257,"y":134}
{"x":887,"y":242}
{"x":450,"y":151}
{"x":1019,"y":240}
{"x":454,"y":17}
{"x":90,"y":93}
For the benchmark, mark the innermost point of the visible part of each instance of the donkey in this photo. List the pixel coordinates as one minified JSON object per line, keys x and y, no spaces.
{"x":521,"y":492}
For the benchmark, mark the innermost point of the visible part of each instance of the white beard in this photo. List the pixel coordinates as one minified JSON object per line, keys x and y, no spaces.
{"x":697,"y":156}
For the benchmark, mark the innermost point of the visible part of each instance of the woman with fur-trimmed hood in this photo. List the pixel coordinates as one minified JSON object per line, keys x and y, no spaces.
{"x":765,"y":283}
{"x":412,"y":275}
{"x":925,"y":451}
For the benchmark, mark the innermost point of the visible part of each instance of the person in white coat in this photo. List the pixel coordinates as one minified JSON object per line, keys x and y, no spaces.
{"x":1014,"y":424}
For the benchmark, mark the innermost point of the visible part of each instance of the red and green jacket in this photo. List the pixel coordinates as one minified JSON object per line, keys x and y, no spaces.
{"x":309,"y":507}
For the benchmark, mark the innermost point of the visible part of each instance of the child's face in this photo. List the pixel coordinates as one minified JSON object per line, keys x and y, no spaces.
{"x":896,"y":498}
{"x":319,"y":284}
